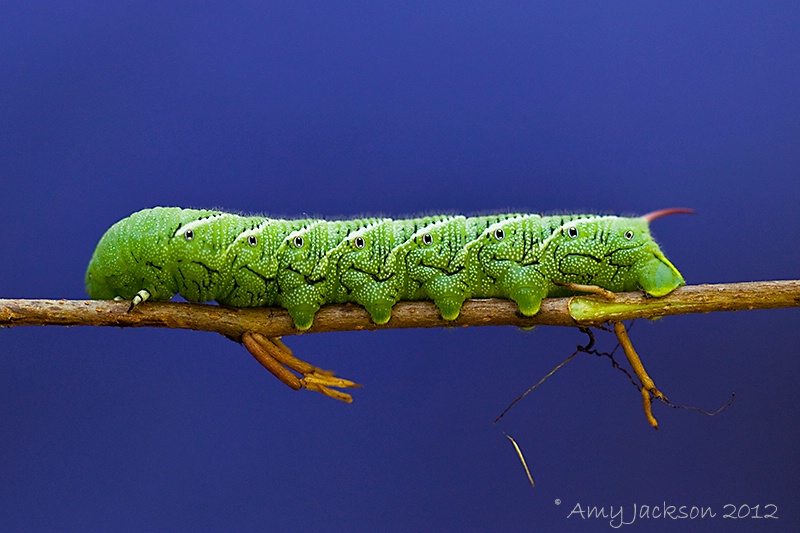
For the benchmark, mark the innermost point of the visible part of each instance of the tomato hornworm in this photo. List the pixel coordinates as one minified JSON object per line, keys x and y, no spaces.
{"x":300,"y":265}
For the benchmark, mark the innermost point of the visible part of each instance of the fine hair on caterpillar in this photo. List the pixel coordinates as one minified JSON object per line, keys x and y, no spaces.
{"x":303,"y":264}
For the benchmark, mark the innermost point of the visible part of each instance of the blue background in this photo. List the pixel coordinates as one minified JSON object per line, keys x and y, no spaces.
{"x":341,"y":109}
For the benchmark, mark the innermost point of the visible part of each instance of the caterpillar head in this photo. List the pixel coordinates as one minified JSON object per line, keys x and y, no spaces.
{"x":650,"y":269}
{"x":142,"y":251}
{"x":131,"y":254}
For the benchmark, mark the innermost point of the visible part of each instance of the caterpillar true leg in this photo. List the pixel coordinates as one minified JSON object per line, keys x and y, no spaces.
{"x":648,"y":386}
{"x":138,"y":298}
{"x":278,"y":359}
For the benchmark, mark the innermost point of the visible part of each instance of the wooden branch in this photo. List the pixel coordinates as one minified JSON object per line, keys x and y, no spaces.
{"x":259,"y":328}
{"x":270,"y":322}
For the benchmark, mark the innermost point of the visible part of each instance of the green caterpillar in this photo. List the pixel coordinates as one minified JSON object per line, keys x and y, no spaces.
{"x":303,"y":264}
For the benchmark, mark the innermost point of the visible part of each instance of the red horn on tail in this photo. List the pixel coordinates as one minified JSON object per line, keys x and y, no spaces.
{"x":649,"y":217}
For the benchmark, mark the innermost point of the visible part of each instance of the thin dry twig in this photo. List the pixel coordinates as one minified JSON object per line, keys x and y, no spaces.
{"x":279,"y":360}
{"x":547,"y":376}
{"x":588,"y":310}
{"x":260,"y":329}
{"x":521,"y":458}
{"x":648,"y":386}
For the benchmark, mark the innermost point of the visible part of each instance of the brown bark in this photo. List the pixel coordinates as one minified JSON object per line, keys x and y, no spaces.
{"x":570,"y":311}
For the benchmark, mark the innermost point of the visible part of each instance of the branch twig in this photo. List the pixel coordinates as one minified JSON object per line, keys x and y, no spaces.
{"x":270,"y":322}
{"x":260,"y":329}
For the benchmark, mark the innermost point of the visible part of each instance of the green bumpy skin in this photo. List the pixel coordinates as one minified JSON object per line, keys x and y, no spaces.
{"x":301,"y":265}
